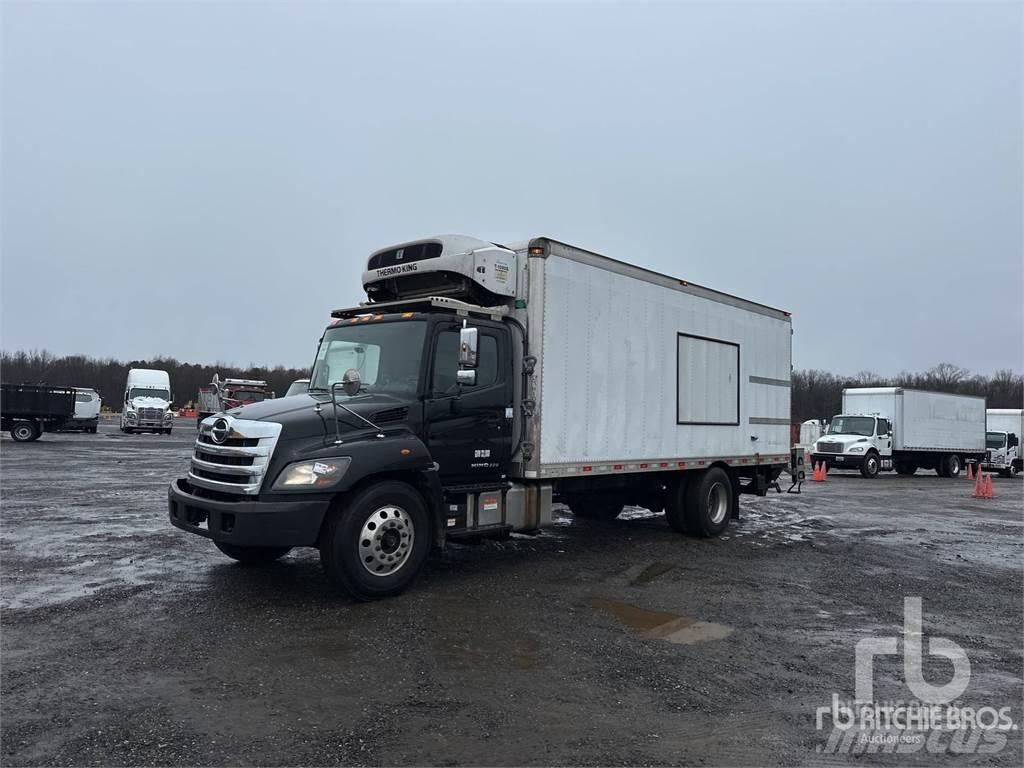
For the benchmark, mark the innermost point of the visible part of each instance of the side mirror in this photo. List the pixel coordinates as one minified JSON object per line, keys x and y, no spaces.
{"x":351,"y":381}
{"x":468,"y":343}
{"x":1012,"y":441}
{"x":469,"y":339}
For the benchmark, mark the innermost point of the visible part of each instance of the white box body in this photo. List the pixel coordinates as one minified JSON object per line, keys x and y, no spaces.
{"x":923,"y":421}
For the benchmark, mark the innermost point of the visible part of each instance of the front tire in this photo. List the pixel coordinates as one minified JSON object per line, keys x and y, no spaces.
{"x":709,"y":500}
{"x":870,"y":467}
{"x":374,"y":544}
{"x":24,"y":431}
{"x":252,"y":555}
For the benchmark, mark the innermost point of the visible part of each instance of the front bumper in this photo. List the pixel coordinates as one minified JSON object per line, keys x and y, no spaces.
{"x":246,"y":523}
{"x":838,"y":460}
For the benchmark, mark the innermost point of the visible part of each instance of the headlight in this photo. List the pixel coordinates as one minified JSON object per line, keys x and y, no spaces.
{"x":168,"y":416}
{"x":131,"y":414}
{"x":322,"y":473}
{"x":857,"y":449}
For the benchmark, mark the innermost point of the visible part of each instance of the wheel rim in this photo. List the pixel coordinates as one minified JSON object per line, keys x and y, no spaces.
{"x":954,"y":465}
{"x":385,"y":541}
{"x":718,"y":504}
{"x":872,"y":465}
{"x":23,"y":431}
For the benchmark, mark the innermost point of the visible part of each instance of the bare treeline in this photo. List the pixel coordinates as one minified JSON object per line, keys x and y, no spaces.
{"x":107,"y":376}
{"x":819,"y":394}
{"x":816,"y":394}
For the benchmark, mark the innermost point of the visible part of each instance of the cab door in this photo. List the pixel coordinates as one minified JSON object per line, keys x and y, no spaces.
{"x":468,"y":429}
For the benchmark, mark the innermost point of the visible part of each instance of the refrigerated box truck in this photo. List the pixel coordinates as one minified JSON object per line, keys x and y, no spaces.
{"x":1004,"y":429}
{"x":894,"y":428}
{"x":478,"y":384}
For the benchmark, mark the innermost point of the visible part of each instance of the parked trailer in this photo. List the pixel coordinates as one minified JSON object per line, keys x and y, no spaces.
{"x":1004,"y":429}
{"x":28,"y":410}
{"x":479,"y":383}
{"x":893,"y":428}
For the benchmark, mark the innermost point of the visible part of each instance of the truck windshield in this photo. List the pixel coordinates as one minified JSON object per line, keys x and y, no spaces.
{"x":387,"y":356}
{"x":995,"y":439}
{"x":852,"y":425}
{"x":163,"y":394}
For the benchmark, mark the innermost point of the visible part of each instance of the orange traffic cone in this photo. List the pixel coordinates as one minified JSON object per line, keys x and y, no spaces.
{"x":970,"y":471}
{"x":990,"y":492}
{"x":815,"y":477}
{"x":979,"y":488}
{"x":824,"y":471}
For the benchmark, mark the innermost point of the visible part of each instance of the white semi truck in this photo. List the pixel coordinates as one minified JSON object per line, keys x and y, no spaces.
{"x":479,"y":383}
{"x":147,"y":402}
{"x":893,"y":428}
{"x":1004,"y":430}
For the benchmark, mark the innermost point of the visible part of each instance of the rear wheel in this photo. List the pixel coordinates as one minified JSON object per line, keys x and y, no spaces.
{"x":252,"y":555}
{"x":675,"y":504}
{"x":952,"y":465}
{"x":374,"y":544}
{"x":870,"y":466}
{"x":709,"y":499}
{"x":24,"y":431}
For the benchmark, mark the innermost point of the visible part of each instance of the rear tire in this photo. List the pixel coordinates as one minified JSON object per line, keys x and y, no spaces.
{"x":871,"y":465}
{"x":374,"y":544}
{"x":952,"y":465}
{"x":23,"y":431}
{"x":675,"y":505}
{"x":709,"y":500}
{"x":252,"y":555}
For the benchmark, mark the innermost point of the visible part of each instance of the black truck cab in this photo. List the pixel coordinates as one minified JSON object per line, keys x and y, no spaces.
{"x":386,"y":409}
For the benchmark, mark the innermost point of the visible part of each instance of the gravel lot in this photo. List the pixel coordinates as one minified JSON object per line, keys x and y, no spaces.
{"x":127,"y":642}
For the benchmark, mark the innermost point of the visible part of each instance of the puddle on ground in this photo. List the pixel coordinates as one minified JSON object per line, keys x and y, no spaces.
{"x":661,"y":625}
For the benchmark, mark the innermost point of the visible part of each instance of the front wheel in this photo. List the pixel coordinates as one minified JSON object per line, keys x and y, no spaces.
{"x":374,"y":544}
{"x":870,"y":466}
{"x":709,"y":500}
{"x":252,"y":555}
{"x":24,"y":431}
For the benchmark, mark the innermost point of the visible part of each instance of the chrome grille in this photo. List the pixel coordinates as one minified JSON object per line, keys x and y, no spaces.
{"x":830,"y":447}
{"x":238,"y":464}
{"x":151,"y":414}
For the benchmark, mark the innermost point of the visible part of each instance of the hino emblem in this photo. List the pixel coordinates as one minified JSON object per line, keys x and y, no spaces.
{"x":399,"y":253}
{"x":219,"y":431}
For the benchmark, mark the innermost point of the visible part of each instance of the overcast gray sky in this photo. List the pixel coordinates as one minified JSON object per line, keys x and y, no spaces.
{"x":206,"y":180}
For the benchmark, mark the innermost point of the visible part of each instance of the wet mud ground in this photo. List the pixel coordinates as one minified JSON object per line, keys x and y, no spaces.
{"x":127,"y":642}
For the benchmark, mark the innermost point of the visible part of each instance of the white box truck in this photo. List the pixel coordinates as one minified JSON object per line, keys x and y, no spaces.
{"x":893,"y":428}
{"x":147,"y":402}
{"x":479,"y":383}
{"x":1004,"y":429}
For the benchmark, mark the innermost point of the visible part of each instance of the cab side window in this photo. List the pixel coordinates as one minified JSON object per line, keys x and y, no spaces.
{"x":446,"y":362}
{"x":883,"y":427}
